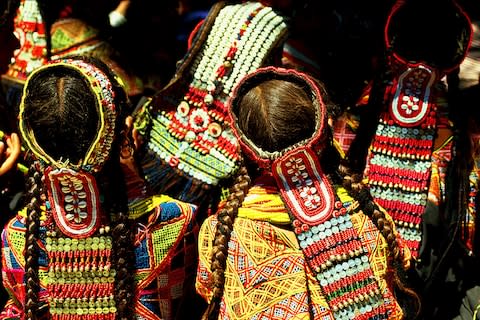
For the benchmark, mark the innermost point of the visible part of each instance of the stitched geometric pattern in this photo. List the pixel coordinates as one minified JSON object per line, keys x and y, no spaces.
{"x":160,"y":281}
{"x":266,"y":271}
{"x":266,"y":275}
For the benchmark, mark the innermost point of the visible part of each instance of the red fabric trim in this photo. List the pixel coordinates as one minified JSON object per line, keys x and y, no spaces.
{"x":303,"y":186}
{"x":194,"y":32}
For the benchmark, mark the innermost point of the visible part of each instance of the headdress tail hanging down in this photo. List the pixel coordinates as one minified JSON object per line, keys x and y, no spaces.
{"x":423,"y":50}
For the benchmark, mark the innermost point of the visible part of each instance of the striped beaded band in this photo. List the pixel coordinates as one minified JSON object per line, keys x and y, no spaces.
{"x":400,"y":158}
{"x":399,"y":163}
{"x":190,"y":133}
{"x":331,"y":245}
{"x":80,"y":278}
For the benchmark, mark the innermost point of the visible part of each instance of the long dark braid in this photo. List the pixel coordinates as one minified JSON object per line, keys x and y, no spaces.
{"x":457,"y":182}
{"x":226,"y":217}
{"x":34,"y":193}
{"x":462,"y":158}
{"x":123,"y":262}
{"x":370,"y":115}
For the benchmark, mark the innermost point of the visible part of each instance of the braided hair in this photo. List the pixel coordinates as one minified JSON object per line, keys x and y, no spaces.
{"x":59,"y":108}
{"x":34,"y":187}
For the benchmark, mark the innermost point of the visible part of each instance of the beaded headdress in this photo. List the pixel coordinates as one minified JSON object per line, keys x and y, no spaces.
{"x":80,"y":278}
{"x":29,"y":28}
{"x":423,"y":48}
{"x":331,"y":245}
{"x":188,"y":134}
{"x":71,"y":189}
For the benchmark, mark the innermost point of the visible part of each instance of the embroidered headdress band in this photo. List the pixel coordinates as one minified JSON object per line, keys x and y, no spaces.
{"x":262,"y":157}
{"x":399,"y":164}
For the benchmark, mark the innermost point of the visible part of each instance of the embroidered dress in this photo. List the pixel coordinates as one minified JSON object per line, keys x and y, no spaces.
{"x":267,"y":275}
{"x":165,"y":236}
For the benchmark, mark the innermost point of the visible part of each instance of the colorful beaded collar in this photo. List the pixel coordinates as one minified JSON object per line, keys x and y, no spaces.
{"x":331,"y":245}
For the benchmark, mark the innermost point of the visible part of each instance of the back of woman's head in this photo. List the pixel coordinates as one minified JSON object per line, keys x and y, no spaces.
{"x":60,"y":108}
{"x":70,"y":116}
{"x":70,"y":104}
{"x":276,"y":114}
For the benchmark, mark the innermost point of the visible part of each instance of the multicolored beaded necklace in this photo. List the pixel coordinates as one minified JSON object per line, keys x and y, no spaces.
{"x":193,"y":136}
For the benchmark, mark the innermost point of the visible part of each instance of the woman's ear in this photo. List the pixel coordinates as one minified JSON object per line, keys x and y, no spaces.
{"x":129,"y":144}
{"x":133,"y":132}
{"x":129,"y":140}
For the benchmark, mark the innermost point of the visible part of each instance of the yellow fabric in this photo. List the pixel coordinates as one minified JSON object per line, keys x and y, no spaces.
{"x":260,"y":245}
{"x":264,"y":205}
{"x":265,"y":247}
